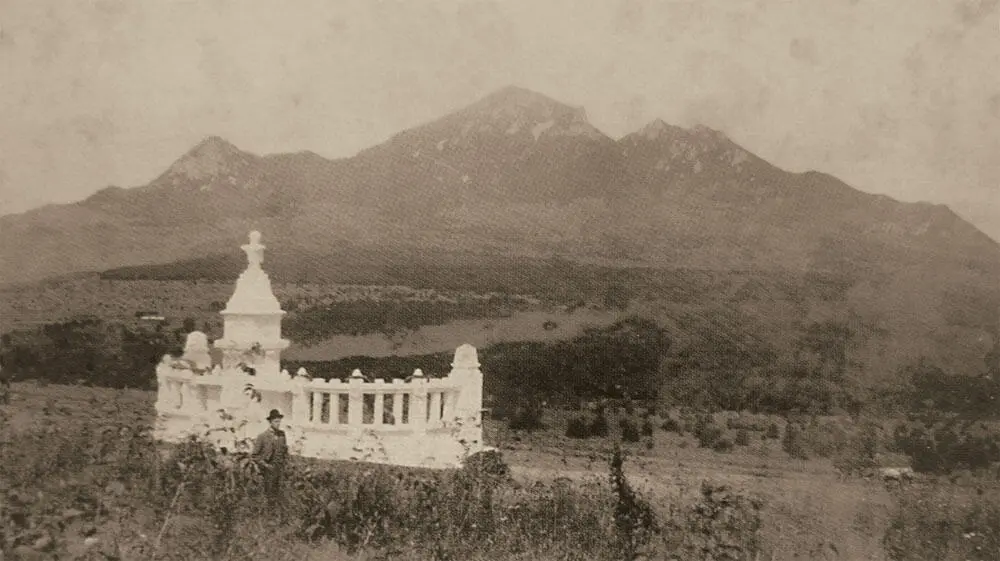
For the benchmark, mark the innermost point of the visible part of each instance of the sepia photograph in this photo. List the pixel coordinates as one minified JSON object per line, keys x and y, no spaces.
{"x":498,"y":280}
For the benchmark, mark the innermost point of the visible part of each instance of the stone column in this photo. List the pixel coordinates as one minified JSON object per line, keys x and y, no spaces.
{"x":397,"y":408}
{"x":317,"y":407}
{"x":356,"y":401}
{"x":378,"y":408}
{"x":435,"y":409}
{"x":300,"y":404}
{"x":418,"y":402}
{"x":469,"y":405}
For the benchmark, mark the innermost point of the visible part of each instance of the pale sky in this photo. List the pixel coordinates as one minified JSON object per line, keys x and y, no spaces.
{"x":896,"y":97}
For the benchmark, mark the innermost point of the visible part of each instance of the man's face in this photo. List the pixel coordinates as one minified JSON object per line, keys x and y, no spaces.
{"x":276,"y":423}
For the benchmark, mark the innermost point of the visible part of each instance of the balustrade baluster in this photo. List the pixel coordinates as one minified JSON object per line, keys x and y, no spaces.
{"x":434,"y":411}
{"x":379,"y":408}
{"x":356,"y":401}
{"x":418,"y":402}
{"x":317,"y":407}
{"x":397,"y":408}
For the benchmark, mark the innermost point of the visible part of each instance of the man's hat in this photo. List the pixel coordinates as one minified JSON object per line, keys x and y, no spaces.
{"x":274,"y":414}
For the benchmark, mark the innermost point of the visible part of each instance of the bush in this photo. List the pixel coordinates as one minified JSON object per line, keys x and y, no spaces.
{"x":706,"y":432}
{"x":487,"y":466}
{"x":792,"y":442}
{"x":584,"y":426}
{"x":828,"y":440}
{"x":773,"y":432}
{"x":672,"y":425}
{"x":944,"y":523}
{"x":647,"y":427}
{"x":578,"y":427}
{"x":857,"y":455}
{"x":943,"y":448}
{"x":721,"y":525}
{"x":722,"y":445}
{"x":708,"y":436}
{"x":528,"y":418}
{"x":599,"y":426}
{"x":630,"y":433}
{"x":635,"y":521}
{"x":743,"y":437}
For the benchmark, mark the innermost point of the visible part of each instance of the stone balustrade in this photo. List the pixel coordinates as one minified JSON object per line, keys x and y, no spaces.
{"x":420,"y":421}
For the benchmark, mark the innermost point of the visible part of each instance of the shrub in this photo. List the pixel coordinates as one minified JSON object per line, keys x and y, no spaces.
{"x":526,"y":417}
{"x":792,"y":442}
{"x":635,"y":521}
{"x":487,"y":466}
{"x":743,"y":437}
{"x":946,"y":523}
{"x":773,"y":432}
{"x":828,"y":440}
{"x":721,"y":525}
{"x":586,"y":426}
{"x":630,"y":433}
{"x":948,"y":448}
{"x":706,"y":432}
{"x":628,"y":406}
{"x":672,"y":425}
{"x":599,"y":426}
{"x":578,"y":427}
{"x":858,"y":454}
{"x":647,"y":427}
{"x":722,"y":445}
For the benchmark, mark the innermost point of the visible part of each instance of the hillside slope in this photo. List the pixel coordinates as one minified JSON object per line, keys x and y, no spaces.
{"x":515,"y":178}
{"x":515,"y":172}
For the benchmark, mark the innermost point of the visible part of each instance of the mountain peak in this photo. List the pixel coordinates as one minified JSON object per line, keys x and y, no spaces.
{"x":707,"y":133}
{"x":513,"y":110}
{"x":658,"y":128}
{"x":211,"y":158}
{"x":214,"y":147}
{"x":518,"y":96}
{"x":518,"y":102}
{"x":674,"y":149}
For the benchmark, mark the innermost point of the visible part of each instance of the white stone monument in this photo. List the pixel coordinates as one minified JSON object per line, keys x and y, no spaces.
{"x":252,"y":320}
{"x":423,"y":421}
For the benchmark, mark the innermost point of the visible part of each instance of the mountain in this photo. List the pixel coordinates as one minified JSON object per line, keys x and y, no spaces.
{"x":511,"y":189}
{"x":515,"y":172}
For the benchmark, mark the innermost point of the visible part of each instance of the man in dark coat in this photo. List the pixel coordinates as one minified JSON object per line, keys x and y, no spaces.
{"x":271,"y":451}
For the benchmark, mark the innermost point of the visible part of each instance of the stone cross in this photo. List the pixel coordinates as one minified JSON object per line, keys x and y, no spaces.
{"x":254,"y":250}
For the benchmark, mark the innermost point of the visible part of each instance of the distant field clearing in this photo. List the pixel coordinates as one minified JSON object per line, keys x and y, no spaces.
{"x":520,"y":326}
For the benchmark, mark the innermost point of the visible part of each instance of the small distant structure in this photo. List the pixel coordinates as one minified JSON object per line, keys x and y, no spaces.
{"x":150,"y":316}
{"x":222,"y":392}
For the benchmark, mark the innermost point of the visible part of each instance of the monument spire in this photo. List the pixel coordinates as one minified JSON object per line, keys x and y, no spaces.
{"x":254,"y":251}
{"x":252,"y":318}
{"x":253,"y":289}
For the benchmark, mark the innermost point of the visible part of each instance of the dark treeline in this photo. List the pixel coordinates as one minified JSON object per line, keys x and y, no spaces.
{"x":90,"y":352}
{"x":622,"y":359}
{"x":970,"y":397}
{"x":634,"y":358}
{"x":389,"y":317}
{"x":554,"y":279}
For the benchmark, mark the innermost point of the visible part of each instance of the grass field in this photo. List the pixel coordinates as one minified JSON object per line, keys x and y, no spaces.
{"x":808,"y":512}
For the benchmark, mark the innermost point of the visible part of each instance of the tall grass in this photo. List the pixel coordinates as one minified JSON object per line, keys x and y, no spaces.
{"x":945,"y":523}
{"x":77,"y":487}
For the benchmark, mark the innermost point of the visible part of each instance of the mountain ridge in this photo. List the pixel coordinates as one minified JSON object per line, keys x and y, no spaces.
{"x":514,"y":169}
